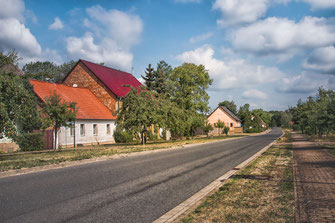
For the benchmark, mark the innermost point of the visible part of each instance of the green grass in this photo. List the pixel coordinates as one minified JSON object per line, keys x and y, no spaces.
{"x":33,"y":159}
{"x":261,"y":192}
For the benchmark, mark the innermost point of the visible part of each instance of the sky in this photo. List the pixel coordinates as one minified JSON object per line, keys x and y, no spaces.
{"x":268,"y":53}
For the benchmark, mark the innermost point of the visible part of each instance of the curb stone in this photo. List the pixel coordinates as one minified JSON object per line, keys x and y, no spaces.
{"x":197,"y":198}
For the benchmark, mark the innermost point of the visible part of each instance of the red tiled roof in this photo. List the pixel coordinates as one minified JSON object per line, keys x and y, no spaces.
{"x":89,"y":106}
{"x":113,"y":79}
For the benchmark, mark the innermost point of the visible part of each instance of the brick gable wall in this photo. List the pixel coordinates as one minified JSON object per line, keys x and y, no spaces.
{"x":84,"y":78}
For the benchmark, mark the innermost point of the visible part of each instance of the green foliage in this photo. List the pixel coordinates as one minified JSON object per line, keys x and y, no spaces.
{"x":220,"y":125}
{"x":47,"y":71}
{"x":122,"y":136}
{"x":230,"y":105}
{"x":149,"y":78}
{"x":315,"y":115}
{"x":18,"y":106}
{"x":30,"y":141}
{"x":189,"y":87}
{"x":226,"y":130}
{"x":58,"y":113}
{"x":138,"y":112}
{"x":207,"y":128}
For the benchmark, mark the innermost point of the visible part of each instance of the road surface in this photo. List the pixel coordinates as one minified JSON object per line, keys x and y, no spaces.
{"x":133,"y":189}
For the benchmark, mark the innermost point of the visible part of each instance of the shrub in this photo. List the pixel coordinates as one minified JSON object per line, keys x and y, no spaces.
{"x":122,"y":136}
{"x":226,"y":130}
{"x":152,"y":136}
{"x":30,"y":141}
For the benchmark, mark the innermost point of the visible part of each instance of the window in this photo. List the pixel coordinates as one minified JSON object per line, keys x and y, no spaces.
{"x":82,"y":129}
{"x":108,"y":129}
{"x":231,"y":124}
{"x":71,"y":131}
{"x":95,"y":129}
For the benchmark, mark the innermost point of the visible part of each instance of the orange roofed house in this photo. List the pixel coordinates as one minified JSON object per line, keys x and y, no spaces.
{"x":226,"y":116}
{"x":95,"y":123}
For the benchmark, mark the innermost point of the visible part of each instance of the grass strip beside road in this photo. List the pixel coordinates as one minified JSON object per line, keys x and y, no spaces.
{"x":27,"y":160}
{"x":262,"y":192}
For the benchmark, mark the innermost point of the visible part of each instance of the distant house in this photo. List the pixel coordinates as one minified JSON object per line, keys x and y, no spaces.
{"x":226,"y":116}
{"x":107,"y":84}
{"x":94,"y":124}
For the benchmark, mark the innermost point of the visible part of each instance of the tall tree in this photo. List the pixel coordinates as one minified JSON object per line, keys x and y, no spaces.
{"x":162,"y":76}
{"x":58,"y":113}
{"x":189,"y":83}
{"x":149,"y":78}
{"x":230,"y":105}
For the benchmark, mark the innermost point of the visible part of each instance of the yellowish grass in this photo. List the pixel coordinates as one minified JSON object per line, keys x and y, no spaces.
{"x":263,"y":192}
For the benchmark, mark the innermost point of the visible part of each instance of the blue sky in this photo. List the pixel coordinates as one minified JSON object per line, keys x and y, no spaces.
{"x":268,"y":53}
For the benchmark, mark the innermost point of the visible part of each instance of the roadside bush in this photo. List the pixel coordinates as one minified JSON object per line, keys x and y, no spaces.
{"x":253,"y":130}
{"x":152,"y":136}
{"x":226,"y":130}
{"x":30,"y":141}
{"x":122,"y":136}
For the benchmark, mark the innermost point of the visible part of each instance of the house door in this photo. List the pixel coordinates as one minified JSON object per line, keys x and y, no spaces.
{"x":49,"y":139}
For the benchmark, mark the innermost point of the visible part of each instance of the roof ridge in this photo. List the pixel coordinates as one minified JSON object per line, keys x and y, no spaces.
{"x":46,"y":82}
{"x":106,"y":66}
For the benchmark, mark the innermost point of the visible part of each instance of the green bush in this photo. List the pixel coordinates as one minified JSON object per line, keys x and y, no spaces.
{"x":30,"y":141}
{"x":253,"y":130}
{"x":152,"y":136}
{"x":122,"y":136}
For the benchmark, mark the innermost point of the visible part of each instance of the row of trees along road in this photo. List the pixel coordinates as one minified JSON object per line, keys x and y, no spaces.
{"x":174,"y":99}
{"x":19,"y":116}
{"x":316,"y":115}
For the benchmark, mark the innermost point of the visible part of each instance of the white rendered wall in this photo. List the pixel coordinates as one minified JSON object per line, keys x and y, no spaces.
{"x":65,"y":138}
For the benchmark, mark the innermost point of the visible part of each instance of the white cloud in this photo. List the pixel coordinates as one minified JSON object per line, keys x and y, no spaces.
{"x":322,"y":60}
{"x":320,"y":4}
{"x":124,"y":28}
{"x":14,"y":35}
{"x":231,"y":74}
{"x":107,"y":51}
{"x":57,"y":24}
{"x":113,"y":34}
{"x":12,"y":9}
{"x":255,"y":94}
{"x":202,"y":37}
{"x":282,"y":36}
{"x":240,"y":11}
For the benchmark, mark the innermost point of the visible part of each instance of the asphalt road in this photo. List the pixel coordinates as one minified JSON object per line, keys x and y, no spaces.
{"x":134,"y":189}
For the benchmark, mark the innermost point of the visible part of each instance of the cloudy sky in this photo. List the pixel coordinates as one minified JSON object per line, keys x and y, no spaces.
{"x":268,"y":53}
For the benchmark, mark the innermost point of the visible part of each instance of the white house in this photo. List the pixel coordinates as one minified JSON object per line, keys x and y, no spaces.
{"x":95,"y":123}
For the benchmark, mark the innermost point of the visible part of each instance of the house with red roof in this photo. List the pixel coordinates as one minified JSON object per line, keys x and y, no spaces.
{"x":94,"y":124}
{"x":107,"y":84}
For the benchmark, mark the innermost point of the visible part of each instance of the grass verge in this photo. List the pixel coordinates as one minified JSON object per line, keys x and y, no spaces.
{"x":262,"y":192}
{"x":27,"y":160}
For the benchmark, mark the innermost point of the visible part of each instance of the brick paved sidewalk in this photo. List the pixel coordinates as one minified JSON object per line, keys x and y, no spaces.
{"x":314,"y":175}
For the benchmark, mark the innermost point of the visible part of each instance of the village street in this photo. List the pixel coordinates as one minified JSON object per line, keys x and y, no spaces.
{"x":134,"y":189}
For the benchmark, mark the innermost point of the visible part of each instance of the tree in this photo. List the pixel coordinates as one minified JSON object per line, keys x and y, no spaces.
{"x":18,"y":107}
{"x":207,"y":128}
{"x":189,"y":84}
{"x":219,"y":124}
{"x":47,"y":71}
{"x":149,"y":78}
{"x":226,"y":130}
{"x":138,"y":112}
{"x":58,"y":113}
{"x":44,"y":71}
{"x":162,"y":76}
{"x":230,"y":105}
